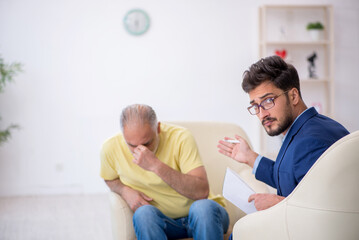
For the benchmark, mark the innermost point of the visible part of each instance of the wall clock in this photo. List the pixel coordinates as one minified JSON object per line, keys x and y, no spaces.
{"x":136,"y":22}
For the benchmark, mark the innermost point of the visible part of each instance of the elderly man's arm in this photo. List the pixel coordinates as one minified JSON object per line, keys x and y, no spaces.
{"x":193,"y":184}
{"x":133,"y":198}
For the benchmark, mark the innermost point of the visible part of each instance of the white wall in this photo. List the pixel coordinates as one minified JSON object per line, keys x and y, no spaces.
{"x":82,"y":68}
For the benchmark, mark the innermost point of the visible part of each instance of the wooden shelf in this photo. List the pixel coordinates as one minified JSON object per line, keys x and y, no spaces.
{"x":295,"y":43}
{"x":283,"y":27}
{"x":311,"y":80}
{"x":295,"y":7}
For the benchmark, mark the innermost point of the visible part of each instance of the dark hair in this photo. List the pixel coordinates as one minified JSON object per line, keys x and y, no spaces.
{"x":273,"y":69}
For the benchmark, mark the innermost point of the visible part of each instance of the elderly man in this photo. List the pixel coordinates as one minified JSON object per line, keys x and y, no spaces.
{"x":275,"y":98}
{"x":157,"y":170}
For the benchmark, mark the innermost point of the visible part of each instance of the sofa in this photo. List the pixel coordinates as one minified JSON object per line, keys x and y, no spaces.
{"x":207,"y":135}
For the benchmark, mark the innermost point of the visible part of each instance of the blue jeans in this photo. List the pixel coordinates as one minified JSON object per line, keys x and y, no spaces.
{"x":206,"y":220}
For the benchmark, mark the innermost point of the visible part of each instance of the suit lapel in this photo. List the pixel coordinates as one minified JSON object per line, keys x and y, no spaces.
{"x":294,"y":130}
{"x":298,"y":124}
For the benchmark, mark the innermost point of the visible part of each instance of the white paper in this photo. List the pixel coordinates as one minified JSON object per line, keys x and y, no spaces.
{"x":237,"y":191}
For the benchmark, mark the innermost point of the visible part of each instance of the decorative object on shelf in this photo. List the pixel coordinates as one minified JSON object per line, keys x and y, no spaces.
{"x":311,"y":67}
{"x":315,"y":29}
{"x":283,"y":33}
{"x":281,"y":53}
{"x":136,"y":22}
{"x":7,"y":72}
{"x":318,"y":106}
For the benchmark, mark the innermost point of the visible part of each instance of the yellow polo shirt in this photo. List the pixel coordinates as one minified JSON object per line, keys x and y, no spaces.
{"x":177,"y":148}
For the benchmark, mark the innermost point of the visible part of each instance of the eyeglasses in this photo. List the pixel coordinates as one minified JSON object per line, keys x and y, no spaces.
{"x":266,"y":104}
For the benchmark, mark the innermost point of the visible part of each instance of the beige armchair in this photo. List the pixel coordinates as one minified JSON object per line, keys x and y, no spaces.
{"x":324,"y":205}
{"x":206,"y":135}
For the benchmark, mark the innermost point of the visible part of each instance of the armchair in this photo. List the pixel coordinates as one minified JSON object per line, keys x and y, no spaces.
{"x":206,"y":135}
{"x":324,"y":205}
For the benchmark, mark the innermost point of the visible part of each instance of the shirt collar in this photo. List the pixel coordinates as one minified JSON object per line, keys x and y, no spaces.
{"x":285,"y":136}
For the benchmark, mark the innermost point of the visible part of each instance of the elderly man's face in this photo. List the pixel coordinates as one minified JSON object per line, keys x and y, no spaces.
{"x":280,"y":117}
{"x":141,"y":134}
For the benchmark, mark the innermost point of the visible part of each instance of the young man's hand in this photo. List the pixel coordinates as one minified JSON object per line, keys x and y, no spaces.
{"x":263,"y":201}
{"x":240,"y":152}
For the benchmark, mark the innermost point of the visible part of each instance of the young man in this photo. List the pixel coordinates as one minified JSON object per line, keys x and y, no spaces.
{"x":275,"y":98}
{"x":157,"y":170}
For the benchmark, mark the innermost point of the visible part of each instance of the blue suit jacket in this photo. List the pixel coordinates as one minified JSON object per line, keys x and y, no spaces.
{"x":310,"y":135}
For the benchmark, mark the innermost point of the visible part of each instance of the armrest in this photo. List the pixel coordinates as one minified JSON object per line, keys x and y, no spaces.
{"x":266,"y":224}
{"x":121,"y":218}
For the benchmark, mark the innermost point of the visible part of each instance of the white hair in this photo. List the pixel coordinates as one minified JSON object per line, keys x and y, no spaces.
{"x":138,"y":113}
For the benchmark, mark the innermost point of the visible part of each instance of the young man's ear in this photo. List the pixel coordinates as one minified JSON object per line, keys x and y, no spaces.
{"x":294,"y":96}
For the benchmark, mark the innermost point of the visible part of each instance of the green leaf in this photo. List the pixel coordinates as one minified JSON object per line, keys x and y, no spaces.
{"x":315,"y":25}
{"x":6,"y":134}
{"x":7,"y":72}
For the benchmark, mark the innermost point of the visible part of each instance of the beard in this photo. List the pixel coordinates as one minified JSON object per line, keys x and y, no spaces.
{"x":282,"y":126}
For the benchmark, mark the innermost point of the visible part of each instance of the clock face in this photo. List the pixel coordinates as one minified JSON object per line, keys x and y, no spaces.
{"x":136,"y":22}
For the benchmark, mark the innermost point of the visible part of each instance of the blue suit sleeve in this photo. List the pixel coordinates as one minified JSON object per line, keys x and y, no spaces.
{"x":256,"y":163}
{"x":265,"y":172}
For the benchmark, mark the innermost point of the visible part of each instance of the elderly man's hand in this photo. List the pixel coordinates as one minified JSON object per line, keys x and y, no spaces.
{"x":134,"y":198}
{"x":145,"y":158}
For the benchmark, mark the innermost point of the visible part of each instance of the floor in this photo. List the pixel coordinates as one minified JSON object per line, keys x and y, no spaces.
{"x":55,"y":217}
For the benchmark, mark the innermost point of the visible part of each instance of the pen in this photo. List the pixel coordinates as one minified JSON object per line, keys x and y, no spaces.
{"x":232,"y":140}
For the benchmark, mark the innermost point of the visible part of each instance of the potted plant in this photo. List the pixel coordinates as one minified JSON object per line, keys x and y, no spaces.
{"x":7,"y":72}
{"x":315,"y":28}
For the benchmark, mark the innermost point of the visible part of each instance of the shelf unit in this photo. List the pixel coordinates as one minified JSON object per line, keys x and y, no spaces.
{"x":283,"y":27}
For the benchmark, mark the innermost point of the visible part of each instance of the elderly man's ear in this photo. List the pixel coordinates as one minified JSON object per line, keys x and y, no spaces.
{"x":159,"y":127}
